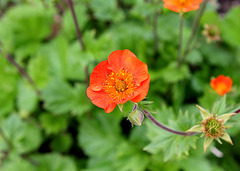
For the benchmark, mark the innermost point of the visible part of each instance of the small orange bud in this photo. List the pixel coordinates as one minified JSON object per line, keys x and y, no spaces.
{"x":221,"y":84}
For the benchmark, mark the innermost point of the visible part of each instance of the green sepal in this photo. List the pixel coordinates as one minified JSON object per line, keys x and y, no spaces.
{"x":227,"y":138}
{"x":136,"y":117}
{"x":121,"y":107}
{"x":225,"y":117}
{"x":205,"y":114}
{"x":144,"y":105}
{"x":218,"y":140}
{"x":207,"y":142}
{"x":196,"y":128}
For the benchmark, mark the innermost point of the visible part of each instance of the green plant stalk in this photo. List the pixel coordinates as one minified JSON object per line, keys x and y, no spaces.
{"x":79,"y":34}
{"x":194,"y":31}
{"x":180,"y":39}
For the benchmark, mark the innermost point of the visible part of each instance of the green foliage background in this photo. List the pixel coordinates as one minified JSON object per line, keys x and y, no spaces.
{"x":59,"y":129}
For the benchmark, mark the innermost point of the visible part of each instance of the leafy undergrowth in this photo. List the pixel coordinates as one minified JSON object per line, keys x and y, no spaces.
{"x":60,"y":129}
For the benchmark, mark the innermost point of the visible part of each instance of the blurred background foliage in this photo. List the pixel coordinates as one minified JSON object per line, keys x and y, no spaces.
{"x":54,"y":126}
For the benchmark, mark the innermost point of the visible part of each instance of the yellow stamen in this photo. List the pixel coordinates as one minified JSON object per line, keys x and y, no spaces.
{"x":120,"y":85}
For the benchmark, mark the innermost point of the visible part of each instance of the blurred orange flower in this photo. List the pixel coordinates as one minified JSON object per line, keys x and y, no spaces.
{"x":121,"y":78}
{"x":182,"y":5}
{"x":221,"y":84}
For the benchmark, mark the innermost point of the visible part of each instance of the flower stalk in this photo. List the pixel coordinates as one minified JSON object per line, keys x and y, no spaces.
{"x":180,"y":39}
{"x":151,"y":118}
{"x":194,"y":31}
{"x":79,"y":34}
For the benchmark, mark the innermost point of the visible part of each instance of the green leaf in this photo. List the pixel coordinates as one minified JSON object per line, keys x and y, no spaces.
{"x":211,"y":18}
{"x":8,"y":87}
{"x":27,"y":99}
{"x":38,"y":69}
{"x":217,"y":55}
{"x":100,"y":135}
{"x":130,"y":157}
{"x":54,"y":161}
{"x":208,"y":99}
{"x":230,"y":27}
{"x":23,"y":137}
{"x":168,"y":32}
{"x":109,"y":10}
{"x":194,"y":57}
{"x":171,"y":73}
{"x":171,"y":144}
{"x":17,"y":162}
{"x":25,"y":25}
{"x":53,"y":124}
{"x":61,"y":98}
{"x":61,"y":143}
{"x":219,"y":106}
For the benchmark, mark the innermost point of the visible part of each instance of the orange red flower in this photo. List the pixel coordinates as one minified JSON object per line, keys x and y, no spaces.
{"x":182,"y":5}
{"x":221,"y":84}
{"x":121,"y":78}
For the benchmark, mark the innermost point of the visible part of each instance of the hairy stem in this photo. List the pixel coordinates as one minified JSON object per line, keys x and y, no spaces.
{"x":194,"y":31}
{"x":79,"y":34}
{"x":180,"y":39}
{"x":166,"y":128}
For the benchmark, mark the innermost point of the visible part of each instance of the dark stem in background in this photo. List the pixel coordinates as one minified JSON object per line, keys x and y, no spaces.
{"x":180,"y":39}
{"x":166,"y":128}
{"x":79,"y":34}
{"x":5,"y":139}
{"x":22,"y":72}
{"x":194,"y":31}
{"x":155,"y":32}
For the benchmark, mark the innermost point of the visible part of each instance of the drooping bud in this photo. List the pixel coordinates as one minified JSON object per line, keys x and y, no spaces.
{"x":211,"y":32}
{"x":136,"y":117}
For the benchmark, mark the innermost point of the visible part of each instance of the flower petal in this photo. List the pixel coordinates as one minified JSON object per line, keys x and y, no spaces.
{"x":137,"y":68}
{"x":98,"y":76}
{"x":116,"y":59}
{"x":142,"y":91}
{"x":177,"y":5}
{"x":101,"y":99}
{"x":110,"y":107}
{"x":127,"y":60}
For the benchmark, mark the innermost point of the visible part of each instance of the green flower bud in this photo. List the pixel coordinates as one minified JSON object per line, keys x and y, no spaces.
{"x":136,"y":117}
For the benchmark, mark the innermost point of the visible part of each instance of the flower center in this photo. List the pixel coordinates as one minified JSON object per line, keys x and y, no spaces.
{"x":120,"y":85}
{"x":213,"y":127}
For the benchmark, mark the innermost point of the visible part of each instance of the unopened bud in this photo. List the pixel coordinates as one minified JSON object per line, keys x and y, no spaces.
{"x":136,"y":117}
